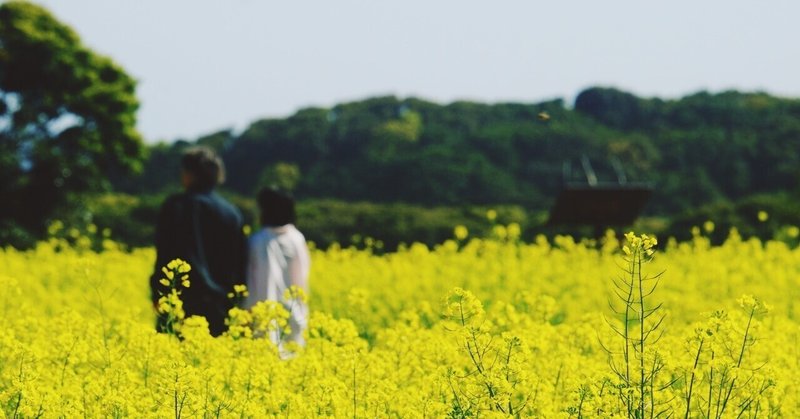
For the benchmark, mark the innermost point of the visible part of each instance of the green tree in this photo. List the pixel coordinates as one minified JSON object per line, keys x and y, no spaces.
{"x":280,"y":175}
{"x":395,"y":136}
{"x":67,"y":116}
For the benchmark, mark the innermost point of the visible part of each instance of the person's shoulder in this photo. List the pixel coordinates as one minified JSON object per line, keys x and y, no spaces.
{"x":224,"y":207}
{"x":295,"y":231}
{"x":296,"y":234}
{"x":260,"y":237}
{"x":227,"y":205}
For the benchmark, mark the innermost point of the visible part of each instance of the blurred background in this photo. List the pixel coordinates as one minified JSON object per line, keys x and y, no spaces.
{"x":397,"y":121}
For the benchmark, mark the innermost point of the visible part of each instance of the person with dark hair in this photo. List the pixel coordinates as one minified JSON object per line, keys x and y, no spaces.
{"x":201,"y":169}
{"x":201,"y":228}
{"x":278,"y":265}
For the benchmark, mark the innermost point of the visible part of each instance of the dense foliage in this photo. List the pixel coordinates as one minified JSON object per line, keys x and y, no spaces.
{"x":700,"y":149}
{"x":67,"y":119}
{"x":720,"y":157}
{"x":487,"y":328}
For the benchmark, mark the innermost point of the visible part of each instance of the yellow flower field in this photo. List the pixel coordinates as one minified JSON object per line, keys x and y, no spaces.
{"x":472,"y":328}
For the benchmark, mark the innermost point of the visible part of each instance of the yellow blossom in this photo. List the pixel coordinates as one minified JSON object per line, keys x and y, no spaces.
{"x":460,"y":232}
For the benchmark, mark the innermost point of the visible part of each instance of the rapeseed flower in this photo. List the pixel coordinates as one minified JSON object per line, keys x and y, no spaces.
{"x":378,"y":344}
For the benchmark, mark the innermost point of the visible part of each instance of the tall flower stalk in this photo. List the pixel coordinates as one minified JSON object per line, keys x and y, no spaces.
{"x":637,"y":363}
{"x":170,"y":305}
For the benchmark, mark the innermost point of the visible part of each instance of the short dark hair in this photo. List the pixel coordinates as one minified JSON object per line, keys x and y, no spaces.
{"x":277,"y":207}
{"x":204,"y":165}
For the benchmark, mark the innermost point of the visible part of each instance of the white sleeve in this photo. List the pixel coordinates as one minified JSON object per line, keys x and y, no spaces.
{"x":301,"y":264}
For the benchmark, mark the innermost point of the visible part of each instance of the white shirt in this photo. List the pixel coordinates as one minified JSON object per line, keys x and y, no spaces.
{"x":279,"y":259}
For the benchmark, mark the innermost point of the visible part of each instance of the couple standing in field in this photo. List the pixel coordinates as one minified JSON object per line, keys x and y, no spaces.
{"x":203,"y":229}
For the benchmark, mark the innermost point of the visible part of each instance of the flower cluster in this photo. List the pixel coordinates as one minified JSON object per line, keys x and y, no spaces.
{"x":170,"y":305}
{"x":471,"y":328}
{"x":639,"y":244}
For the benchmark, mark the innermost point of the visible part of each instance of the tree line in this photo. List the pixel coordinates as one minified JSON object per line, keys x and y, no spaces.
{"x":700,"y":149}
{"x":722,"y":157}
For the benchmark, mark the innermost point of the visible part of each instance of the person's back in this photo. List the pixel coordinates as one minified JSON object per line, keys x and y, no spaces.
{"x":287,"y":260}
{"x":278,"y":260}
{"x":203,"y":229}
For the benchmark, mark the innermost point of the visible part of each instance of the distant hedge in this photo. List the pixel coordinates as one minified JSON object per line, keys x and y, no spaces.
{"x":131,"y":220}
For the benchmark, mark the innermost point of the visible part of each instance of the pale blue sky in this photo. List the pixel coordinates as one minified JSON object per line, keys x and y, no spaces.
{"x":204,"y":65}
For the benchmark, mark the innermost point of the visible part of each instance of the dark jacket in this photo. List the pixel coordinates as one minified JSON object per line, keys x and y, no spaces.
{"x":206,"y":231}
